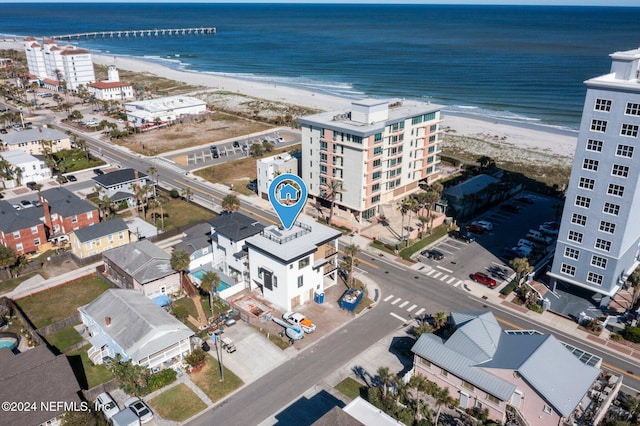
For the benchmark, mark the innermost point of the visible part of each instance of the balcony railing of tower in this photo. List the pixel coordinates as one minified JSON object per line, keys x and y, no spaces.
{"x":270,"y":234}
{"x":136,"y":33}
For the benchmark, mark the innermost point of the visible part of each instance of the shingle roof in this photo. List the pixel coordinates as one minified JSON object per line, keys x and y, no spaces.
{"x":30,"y":135}
{"x":101,"y":229}
{"x":143,"y":260}
{"x":66,"y":203}
{"x":236,"y":226}
{"x":36,"y":375}
{"x":118,"y":177}
{"x":139,"y":326}
{"x":197,"y":237}
{"x":14,"y":220}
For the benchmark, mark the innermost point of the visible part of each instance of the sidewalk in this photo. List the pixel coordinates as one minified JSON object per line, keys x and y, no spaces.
{"x":30,"y":286}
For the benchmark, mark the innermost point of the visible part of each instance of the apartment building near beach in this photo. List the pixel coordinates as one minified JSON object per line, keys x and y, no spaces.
{"x":380,"y":150}
{"x":599,"y":239}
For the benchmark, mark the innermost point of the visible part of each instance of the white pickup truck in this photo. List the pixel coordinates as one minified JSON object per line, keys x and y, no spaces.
{"x":300,"y":320}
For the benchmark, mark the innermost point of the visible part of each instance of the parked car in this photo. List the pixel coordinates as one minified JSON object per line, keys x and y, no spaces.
{"x":280,"y":140}
{"x":32,"y":185}
{"x":98,"y":172}
{"x":433,"y":254}
{"x":214,"y":151}
{"x":107,"y":361}
{"x":26,"y":204}
{"x":205,"y":346}
{"x":475,"y":229}
{"x":36,"y":203}
{"x":462,"y":235}
{"x":142,"y":410}
{"x":236,"y":144}
{"x":107,"y":405}
{"x":62,"y":179}
{"x":524,"y":199}
{"x":72,"y":178}
{"x":511,"y":208}
{"x":484,"y":224}
{"x":252,"y":186}
{"x":482,"y":278}
{"x":16,"y":206}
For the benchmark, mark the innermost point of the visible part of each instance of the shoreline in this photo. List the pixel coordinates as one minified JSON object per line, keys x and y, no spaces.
{"x":540,"y":138}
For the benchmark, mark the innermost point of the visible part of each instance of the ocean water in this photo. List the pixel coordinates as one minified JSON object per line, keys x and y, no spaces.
{"x":523,"y":63}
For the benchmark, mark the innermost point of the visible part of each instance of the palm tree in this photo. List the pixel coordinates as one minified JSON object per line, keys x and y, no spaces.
{"x":385,"y":379}
{"x":351,"y":261}
{"x":153,"y":171}
{"x":6,"y":171}
{"x":17,"y":171}
{"x":420,"y":384}
{"x":442,"y":398}
{"x":209,"y":283}
{"x":180,"y":262}
{"x":439,"y":320}
{"x":412,"y":206}
{"x":401,"y":388}
{"x":403,"y":208}
{"x":187,"y":193}
{"x":430,"y":199}
{"x":83,"y":146}
{"x":331,"y":190}
{"x":231,"y":203}
{"x":521,"y":266}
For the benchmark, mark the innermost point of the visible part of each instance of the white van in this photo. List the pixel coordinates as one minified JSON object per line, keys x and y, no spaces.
{"x":525,"y":243}
{"x":538,"y":237}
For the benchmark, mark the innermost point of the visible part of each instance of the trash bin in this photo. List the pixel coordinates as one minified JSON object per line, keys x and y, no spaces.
{"x":318,"y":297}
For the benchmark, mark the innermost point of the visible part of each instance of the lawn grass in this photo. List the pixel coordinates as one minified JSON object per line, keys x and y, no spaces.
{"x":95,"y":374}
{"x":61,"y":302}
{"x":64,"y":338}
{"x":208,"y":379}
{"x":8,"y":285}
{"x":238,"y":172}
{"x":178,"y":403}
{"x":349,"y":387}
{"x":177,"y":213}
{"x":72,"y":160}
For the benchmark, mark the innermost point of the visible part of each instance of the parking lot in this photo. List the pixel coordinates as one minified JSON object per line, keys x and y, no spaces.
{"x":461,"y":259}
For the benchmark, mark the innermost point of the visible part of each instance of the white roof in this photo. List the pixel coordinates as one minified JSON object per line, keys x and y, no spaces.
{"x":165,"y":104}
{"x":18,"y":157}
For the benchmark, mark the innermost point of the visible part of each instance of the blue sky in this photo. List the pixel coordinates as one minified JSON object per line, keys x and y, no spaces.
{"x":635,"y":3}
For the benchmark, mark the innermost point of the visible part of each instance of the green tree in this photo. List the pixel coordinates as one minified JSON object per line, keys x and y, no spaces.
{"x":439,"y":320}
{"x":330,"y":191}
{"x":187,"y":193}
{"x":521,"y":266}
{"x":180,"y":262}
{"x":209,"y":283}
{"x":420,"y":384}
{"x":8,"y":257}
{"x":83,"y":418}
{"x":153,"y":172}
{"x":231,"y":203}
{"x":386,"y":378}
{"x":256,"y":150}
{"x":133,"y":378}
{"x":351,"y":261}
{"x":442,"y":398}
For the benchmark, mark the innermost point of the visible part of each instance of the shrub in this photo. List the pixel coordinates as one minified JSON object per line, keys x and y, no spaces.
{"x":534,"y":307}
{"x":180,"y":312}
{"x":174,"y":193}
{"x":509,"y":288}
{"x":196,"y":358}
{"x":632,"y":334}
{"x":161,"y":379}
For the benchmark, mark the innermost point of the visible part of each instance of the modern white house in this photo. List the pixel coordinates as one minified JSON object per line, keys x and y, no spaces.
{"x":290,"y":266}
{"x":168,"y":109}
{"x":269,"y":168}
{"x":379,"y":150}
{"x":34,"y":141}
{"x":33,"y":169}
{"x":66,"y":64}
{"x":126,"y":322}
{"x":599,"y":238}
{"x":111,"y":88}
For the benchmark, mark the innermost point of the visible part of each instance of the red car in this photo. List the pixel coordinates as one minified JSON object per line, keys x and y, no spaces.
{"x":483,"y":278}
{"x":474,"y":229}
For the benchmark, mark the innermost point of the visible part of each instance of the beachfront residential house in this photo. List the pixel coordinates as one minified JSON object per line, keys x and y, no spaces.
{"x":126,"y":322}
{"x":111,"y":88}
{"x":599,"y":237}
{"x":32,"y":169}
{"x":64,"y":65}
{"x":379,"y":150}
{"x":163,"y":110}
{"x":123,"y":185}
{"x":196,"y":241}
{"x":93,"y":240}
{"x":271,"y":167}
{"x":35,"y":141}
{"x":23,"y":233}
{"x":141,"y":266}
{"x":43,"y":379}
{"x":512,"y":374}
{"x":289,"y":267}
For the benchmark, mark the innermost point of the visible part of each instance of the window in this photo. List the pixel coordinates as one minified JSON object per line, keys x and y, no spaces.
{"x":598,"y":262}
{"x":377,"y":137}
{"x":611,"y":208}
{"x":377,"y":163}
{"x":583,"y":201}
{"x":34,"y":229}
{"x":630,"y":130}
{"x":90,"y":215}
{"x":19,"y":247}
{"x":300,"y":281}
{"x":377,"y":150}
{"x":468,"y":385}
{"x":547,"y":409}
{"x":632,"y":109}
{"x":599,"y":126}
{"x":493,"y":399}
{"x":444,"y":373}
{"x":424,"y":362}
{"x":575,"y":236}
{"x":303,"y":263}
{"x":430,"y":116}
{"x":589,"y":164}
{"x":568,"y":269}
{"x":110,"y":237}
{"x":594,"y":278}
{"x":74,"y":219}
{"x":616,"y":190}
{"x":375,"y":199}
{"x":376,"y":175}
{"x":607,"y":227}
{"x":16,"y":235}
{"x":603,"y":105}
{"x":416,"y":120}
{"x":121,"y":235}
{"x":603,"y":244}
{"x":36,"y":241}
{"x":586,"y":183}
{"x":624,"y":151}
{"x":88,"y":245}
{"x":375,"y":187}
{"x":620,"y":170}
{"x":571,"y":253}
{"x":579,"y":219}
{"x":594,"y":145}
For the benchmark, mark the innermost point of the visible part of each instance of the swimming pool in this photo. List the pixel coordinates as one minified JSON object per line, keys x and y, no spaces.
{"x":200,"y":273}
{"x":8,"y":340}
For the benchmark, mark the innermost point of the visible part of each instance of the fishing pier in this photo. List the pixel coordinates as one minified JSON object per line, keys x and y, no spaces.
{"x":157,"y":32}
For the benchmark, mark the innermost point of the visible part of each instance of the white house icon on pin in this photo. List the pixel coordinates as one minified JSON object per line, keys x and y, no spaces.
{"x":288,"y":192}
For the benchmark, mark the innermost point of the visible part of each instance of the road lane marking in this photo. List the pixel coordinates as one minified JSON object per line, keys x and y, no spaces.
{"x":389,"y":297}
{"x":458,"y":283}
{"x":403,"y":304}
{"x":445,"y":269}
{"x":411,"y":308}
{"x":396,"y":301}
{"x":431,"y":272}
{"x":437,"y":274}
{"x":444,"y":277}
{"x":451,"y":280}
{"x":397,"y":316}
{"x":419,"y":311}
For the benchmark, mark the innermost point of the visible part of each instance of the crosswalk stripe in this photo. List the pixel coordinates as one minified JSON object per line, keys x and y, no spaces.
{"x":458,"y":283}
{"x":396,"y":301}
{"x":411,"y":308}
{"x":431,"y":272}
{"x":437,"y":274}
{"x":397,"y":316}
{"x":419,"y":311}
{"x":389,"y":297}
{"x":451,"y":280}
{"x":403,"y":304}
{"x":444,"y":277}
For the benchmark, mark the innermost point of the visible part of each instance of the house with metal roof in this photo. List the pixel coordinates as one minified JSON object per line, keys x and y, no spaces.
{"x":142,"y":266}
{"x":513,"y":375}
{"x":98,"y":238}
{"x":36,"y":377}
{"x":32,"y":141}
{"x":290,"y":266}
{"x":122,"y":185}
{"x":126,"y":322}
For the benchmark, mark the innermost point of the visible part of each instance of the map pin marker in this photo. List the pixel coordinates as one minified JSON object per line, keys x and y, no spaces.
{"x":287,"y":194}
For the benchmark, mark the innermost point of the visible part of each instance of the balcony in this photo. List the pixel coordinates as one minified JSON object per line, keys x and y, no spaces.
{"x":329,"y":252}
{"x":328,"y":268}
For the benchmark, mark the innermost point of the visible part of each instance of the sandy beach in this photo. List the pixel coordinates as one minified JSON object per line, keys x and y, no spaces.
{"x":539,"y":140}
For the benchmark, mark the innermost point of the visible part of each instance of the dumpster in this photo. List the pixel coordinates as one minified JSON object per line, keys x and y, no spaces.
{"x":351,"y":299}
{"x":318,"y":297}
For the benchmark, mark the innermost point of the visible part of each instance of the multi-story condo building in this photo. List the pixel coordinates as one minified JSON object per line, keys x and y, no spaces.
{"x":599,"y":238}
{"x":379,"y":150}
{"x":59,"y":63}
